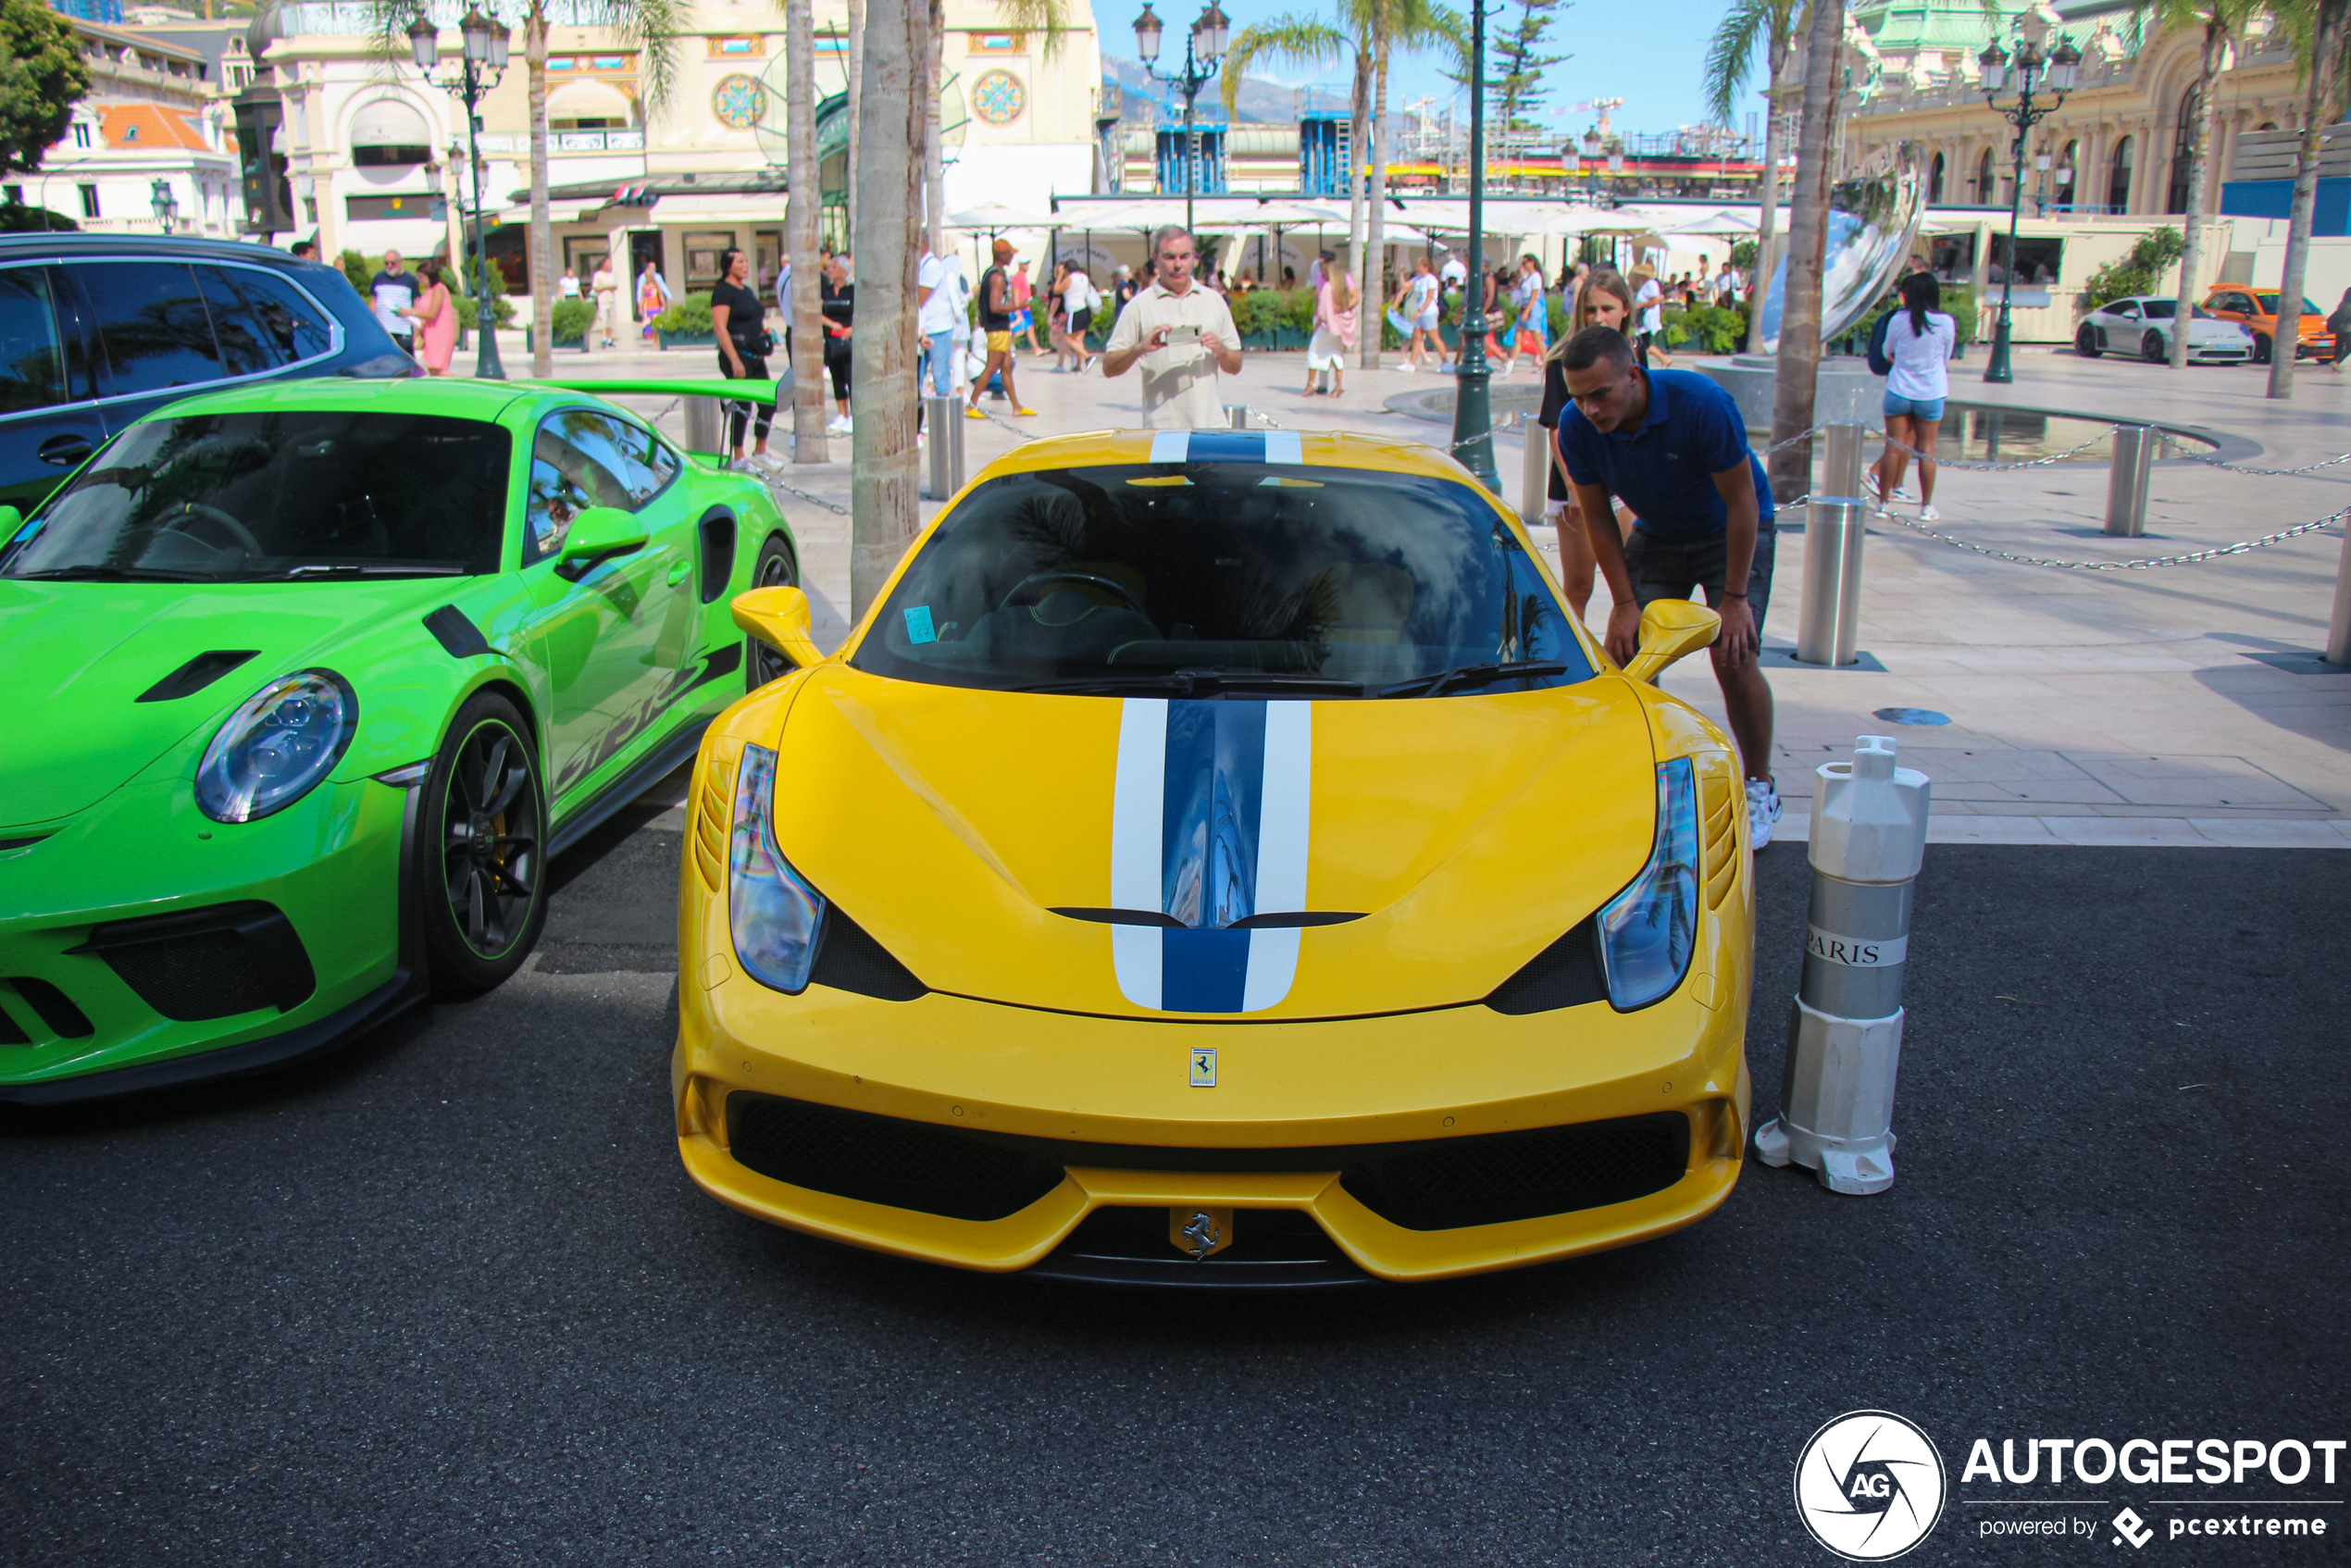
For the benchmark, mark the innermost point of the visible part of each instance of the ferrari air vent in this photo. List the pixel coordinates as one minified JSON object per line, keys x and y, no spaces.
{"x":1718,"y":823}
{"x":1522,"y":1175}
{"x":711,"y":824}
{"x":1566,"y":974}
{"x":933,"y":1170}
{"x":850,"y":960}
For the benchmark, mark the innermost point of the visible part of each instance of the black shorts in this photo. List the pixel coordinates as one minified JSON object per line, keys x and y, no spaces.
{"x":1078,"y":321}
{"x":1664,"y":569}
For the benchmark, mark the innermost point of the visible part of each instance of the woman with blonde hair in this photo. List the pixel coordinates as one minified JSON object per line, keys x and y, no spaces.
{"x":1334,"y":339}
{"x":1605,"y":300}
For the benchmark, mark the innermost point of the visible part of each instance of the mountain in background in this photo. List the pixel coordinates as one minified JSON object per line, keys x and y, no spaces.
{"x":1260,"y":103}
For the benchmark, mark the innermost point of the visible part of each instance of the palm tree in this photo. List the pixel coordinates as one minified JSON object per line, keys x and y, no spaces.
{"x":2222,"y":22}
{"x":884,"y":514}
{"x":1730,"y":61}
{"x":2320,"y":30}
{"x":1307,"y":41}
{"x":1800,"y":357}
{"x":802,"y":310}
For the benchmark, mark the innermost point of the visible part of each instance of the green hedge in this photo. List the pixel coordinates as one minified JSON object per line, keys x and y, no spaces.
{"x":1709,"y":330}
{"x":1958,"y":303}
{"x":573,"y":317}
{"x":687,"y":313}
{"x":1263,"y":311}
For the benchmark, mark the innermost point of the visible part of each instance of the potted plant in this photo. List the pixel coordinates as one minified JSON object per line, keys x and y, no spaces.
{"x":686,"y":324}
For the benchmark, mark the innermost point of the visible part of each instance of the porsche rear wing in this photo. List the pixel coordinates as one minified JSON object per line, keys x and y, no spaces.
{"x":704,"y":403}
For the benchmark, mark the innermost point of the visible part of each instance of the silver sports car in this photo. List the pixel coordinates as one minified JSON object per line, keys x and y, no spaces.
{"x":2142,"y":324}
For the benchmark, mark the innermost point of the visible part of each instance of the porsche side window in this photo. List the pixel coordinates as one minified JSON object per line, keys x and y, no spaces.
{"x":32,"y":364}
{"x":577,"y":461}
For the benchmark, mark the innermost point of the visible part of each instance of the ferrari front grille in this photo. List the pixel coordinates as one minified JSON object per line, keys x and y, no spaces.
{"x":213,"y":962}
{"x":1523,"y":1175}
{"x":906,"y":1164}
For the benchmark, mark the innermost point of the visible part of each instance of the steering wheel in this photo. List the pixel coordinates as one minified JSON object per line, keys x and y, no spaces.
{"x":196,"y":511}
{"x":1118,"y":588}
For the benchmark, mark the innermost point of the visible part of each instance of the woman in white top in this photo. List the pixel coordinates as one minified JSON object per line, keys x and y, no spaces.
{"x":1921,"y":340}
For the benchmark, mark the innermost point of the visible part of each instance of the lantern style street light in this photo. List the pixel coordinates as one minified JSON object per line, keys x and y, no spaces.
{"x":165,"y":204}
{"x":1472,"y":411}
{"x":478,"y":70}
{"x":2040,"y":83}
{"x":1204,"y":52}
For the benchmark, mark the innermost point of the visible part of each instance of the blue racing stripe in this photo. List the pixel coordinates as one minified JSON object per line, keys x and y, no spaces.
{"x":1216,"y":783}
{"x":1226,"y":446}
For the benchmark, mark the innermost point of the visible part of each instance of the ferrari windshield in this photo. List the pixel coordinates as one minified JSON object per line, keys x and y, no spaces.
{"x":1247,"y":577}
{"x":250,"y":497}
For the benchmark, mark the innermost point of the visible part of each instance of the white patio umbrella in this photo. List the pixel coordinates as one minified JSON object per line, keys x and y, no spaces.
{"x":994,"y":217}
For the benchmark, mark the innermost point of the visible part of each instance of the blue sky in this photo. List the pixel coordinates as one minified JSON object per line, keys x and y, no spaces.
{"x":1650,"y":54}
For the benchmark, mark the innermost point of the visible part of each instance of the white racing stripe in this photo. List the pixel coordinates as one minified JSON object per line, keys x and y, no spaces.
{"x":1138,"y":806}
{"x":1284,"y":446}
{"x":1285,"y":811}
{"x":1171,"y":446}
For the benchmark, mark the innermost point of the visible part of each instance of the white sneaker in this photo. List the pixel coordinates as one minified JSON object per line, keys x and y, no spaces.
{"x":839,"y":426}
{"x":1762,"y":811}
{"x":1930,"y":513}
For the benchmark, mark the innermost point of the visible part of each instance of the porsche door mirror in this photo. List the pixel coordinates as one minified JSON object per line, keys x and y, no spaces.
{"x":780,"y":617}
{"x":1670,"y":627}
{"x":598,"y":534}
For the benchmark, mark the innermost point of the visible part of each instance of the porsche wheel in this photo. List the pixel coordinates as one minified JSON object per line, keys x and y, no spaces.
{"x":2151,"y":349}
{"x":2085,"y":343}
{"x":483,"y":885}
{"x":775,"y":568}
{"x":2260,"y":349}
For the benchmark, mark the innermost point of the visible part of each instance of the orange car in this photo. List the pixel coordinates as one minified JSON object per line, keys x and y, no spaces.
{"x":2258,"y":309}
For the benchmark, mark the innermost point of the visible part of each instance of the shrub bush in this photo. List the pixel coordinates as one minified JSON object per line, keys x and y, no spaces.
{"x":1709,"y":328}
{"x":687,"y":313}
{"x":572,"y":318}
{"x":2137,"y":272}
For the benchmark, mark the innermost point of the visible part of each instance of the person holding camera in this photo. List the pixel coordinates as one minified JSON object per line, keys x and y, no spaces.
{"x":1183,"y":335}
{"x":737,"y":320}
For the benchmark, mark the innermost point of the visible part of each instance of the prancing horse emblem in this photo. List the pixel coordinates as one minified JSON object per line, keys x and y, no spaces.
{"x":1203,"y":1234}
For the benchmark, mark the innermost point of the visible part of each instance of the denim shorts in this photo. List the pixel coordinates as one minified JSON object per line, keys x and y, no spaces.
{"x":1669,"y":569}
{"x":1928,"y":408}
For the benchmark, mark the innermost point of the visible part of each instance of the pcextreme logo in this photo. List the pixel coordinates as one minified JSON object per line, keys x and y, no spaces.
{"x":1870,"y":1485}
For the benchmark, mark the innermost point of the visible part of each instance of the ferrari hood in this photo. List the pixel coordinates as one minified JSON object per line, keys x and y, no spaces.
{"x":82,"y":654}
{"x":1147,"y":856}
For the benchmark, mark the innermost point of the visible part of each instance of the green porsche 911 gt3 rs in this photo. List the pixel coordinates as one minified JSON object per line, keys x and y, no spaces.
{"x":305,"y":684}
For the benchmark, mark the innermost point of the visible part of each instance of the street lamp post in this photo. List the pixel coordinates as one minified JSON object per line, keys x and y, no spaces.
{"x":1203,"y":51}
{"x":479,"y":67}
{"x":2030,"y":71}
{"x":1473,"y":412}
{"x":166,"y":204}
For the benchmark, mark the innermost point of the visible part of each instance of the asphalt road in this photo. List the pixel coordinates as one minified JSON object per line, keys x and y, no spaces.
{"x":449,"y":1299}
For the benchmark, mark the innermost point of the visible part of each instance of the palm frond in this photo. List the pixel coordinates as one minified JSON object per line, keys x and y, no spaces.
{"x":1730,"y":55}
{"x":1298,"y":39}
{"x":1045,"y":20}
{"x":653,"y":29}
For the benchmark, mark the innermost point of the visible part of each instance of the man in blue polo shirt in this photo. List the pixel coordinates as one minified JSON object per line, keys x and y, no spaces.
{"x":1670,"y":445}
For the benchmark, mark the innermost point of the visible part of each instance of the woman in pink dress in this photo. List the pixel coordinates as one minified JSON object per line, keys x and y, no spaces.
{"x":1335,"y":304}
{"x":436,"y":317}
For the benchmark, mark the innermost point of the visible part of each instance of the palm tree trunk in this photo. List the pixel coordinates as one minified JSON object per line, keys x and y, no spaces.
{"x":543,"y":228}
{"x":856,"y":122}
{"x":934,"y":148}
{"x":1767,"y":219}
{"x":2325,"y":65}
{"x":2216,"y":44}
{"x":803,"y":308}
{"x":1374,"y":274}
{"x":1359,"y":133}
{"x":1799,"y":358}
{"x":884,"y":514}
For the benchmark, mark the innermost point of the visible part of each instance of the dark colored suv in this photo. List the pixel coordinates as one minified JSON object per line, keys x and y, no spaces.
{"x":96,"y":330}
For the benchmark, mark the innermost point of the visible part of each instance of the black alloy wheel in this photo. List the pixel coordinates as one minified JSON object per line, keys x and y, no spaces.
{"x":483,"y":834}
{"x":2151,"y":349}
{"x":2086,"y":342}
{"x":775,"y":568}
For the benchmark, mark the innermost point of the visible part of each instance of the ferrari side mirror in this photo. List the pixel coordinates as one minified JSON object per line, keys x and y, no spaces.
{"x":780,"y":617}
{"x":598,"y":534}
{"x":1670,"y":627}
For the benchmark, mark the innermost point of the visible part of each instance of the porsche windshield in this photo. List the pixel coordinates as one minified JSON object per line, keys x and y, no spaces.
{"x":249,"y":497}
{"x":1231,"y":577}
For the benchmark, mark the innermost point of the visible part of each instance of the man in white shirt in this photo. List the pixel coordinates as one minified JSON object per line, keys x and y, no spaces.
{"x":938,"y":305}
{"x":1455,"y":272}
{"x":1180,"y":387}
{"x":394,"y":294}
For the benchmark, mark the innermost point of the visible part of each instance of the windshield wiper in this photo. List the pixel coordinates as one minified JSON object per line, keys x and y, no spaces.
{"x":369,"y":568}
{"x":112,"y":574}
{"x":1199,"y":682}
{"x":1435,"y":685}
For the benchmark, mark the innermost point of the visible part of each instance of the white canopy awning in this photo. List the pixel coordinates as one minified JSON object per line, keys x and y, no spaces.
{"x":591,"y":99}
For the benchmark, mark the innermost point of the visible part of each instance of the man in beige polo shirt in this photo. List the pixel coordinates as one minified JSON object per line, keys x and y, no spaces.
{"x":1180,"y":390}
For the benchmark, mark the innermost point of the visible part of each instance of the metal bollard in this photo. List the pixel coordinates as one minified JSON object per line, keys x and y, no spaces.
{"x":1534,"y":471}
{"x":1844,"y":1028}
{"x":706,"y":424}
{"x":1237,"y":416}
{"x":1828,"y":625}
{"x":944,"y":417}
{"x":2128,"y":481}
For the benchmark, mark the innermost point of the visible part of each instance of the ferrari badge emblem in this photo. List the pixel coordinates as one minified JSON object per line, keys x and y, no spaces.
{"x":1204,"y":1068}
{"x":1199,"y":1231}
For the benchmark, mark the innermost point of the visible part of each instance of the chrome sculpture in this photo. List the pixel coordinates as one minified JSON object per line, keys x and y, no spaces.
{"x":1873,"y":222}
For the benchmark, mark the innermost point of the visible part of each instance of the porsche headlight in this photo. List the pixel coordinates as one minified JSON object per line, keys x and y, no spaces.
{"x":276,"y":747}
{"x":1647,"y":931}
{"x":778,"y":918}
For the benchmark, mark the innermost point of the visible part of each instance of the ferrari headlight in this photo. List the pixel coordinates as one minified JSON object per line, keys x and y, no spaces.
{"x":777,"y":917}
{"x":1647,"y":931}
{"x":276,"y":747}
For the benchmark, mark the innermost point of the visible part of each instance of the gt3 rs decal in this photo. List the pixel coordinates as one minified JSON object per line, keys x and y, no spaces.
{"x":1209,"y":824}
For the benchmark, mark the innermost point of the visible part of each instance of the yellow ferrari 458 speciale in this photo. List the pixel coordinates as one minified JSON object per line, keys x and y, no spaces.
{"x":1216,"y":859}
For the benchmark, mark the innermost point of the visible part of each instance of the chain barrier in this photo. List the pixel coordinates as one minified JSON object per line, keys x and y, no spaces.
{"x":2240,"y":548}
{"x":2241,"y":468}
{"x":1962,"y":463}
{"x":773,"y":483}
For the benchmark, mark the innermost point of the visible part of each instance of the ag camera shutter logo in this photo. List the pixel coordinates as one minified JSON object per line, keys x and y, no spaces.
{"x":1870,"y":1485}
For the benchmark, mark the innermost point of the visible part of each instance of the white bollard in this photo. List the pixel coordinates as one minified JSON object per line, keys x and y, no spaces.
{"x":1845,"y":1030}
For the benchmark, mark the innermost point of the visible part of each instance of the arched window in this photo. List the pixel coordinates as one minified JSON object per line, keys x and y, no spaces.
{"x":389,"y":133}
{"x":1934,"y":178}
{"x":2118,"y":180}
{"x":1987,"y":185}
{"x":2182,"y":143}
{"x":2067,"y":173}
